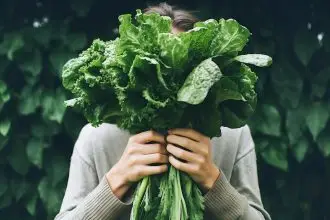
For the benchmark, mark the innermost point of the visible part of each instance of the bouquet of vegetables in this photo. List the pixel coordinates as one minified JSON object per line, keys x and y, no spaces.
{"x":149,"y":78}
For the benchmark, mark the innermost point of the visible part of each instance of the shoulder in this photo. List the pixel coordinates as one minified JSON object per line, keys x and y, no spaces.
{"x":237,"y":141}
{"x":94,"y":140}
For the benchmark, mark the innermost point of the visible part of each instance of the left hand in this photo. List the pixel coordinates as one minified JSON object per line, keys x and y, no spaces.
{"x":194,"y":154}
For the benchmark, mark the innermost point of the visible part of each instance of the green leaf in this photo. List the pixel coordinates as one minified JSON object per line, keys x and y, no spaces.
{"x":31,"y":62}
{"x":295,"y":122}
{"x":53,"y":105}
{"x":145,"y":71}
{"x":326,"y":42}
{"x":287,"y":83}
{"x":305,"y":45}
{"x":34,"y":150}
{"x":71,"y":73}
{"x":128,"y":32}
{"x":199,"y":82}
{"x":72,"y":102}
{"x":227,"y":89}
{"x":44,"y":128}
{"x":12,"y":42}
{"x":73,"y":123}
{"x":300,"y":149}
{"x":76,"y":41}
{"x":198,"y":39}
{"x":231,"y":117}
{"x":174,"y":50}
{"x":19,"y":187}
{"x":4,"y":183}
{"x":320,"y":82}
{"x":31,"y":205}
{"x":268,"y":120}
{"x":5,"y":200}
{"x":50,"y":197}
{"x":4,"y":63}
{"x":3,"y":141}
{"x":323,"y":142}
{"x":211,"y":122}
{"x":29,"y":100}
{"x":274,"y":152}
{"x":58,"y":59}
{"x":147,"y":95}
{"x":163,"y":24}
{"x":43,"y":35}
{"x":17,"y":157}
{"x":4,"y":94}
{"x":231,"y":38}
{"x":317,"y":118}
{"x":5,"y":127}
{"x":57,"y":168}
{"x":81,"y":8}
{"x":255,"y":59}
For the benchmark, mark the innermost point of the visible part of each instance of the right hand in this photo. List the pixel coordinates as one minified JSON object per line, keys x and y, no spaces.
{"x":136,"y":161}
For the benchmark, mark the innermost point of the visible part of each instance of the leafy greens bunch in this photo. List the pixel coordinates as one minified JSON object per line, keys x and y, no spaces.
{"x":149,"y":78}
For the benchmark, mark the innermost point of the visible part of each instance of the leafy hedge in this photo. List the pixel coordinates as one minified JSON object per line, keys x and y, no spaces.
{"x":291,"y":127}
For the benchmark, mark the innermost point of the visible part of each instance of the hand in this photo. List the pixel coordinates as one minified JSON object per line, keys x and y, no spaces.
{"x":136,"y":161}
{"x":194,"y":152}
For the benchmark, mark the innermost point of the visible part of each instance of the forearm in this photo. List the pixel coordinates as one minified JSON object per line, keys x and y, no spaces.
{"x":86,"y":197}
{"x":224,"y":202}
{"x":100,"y":204}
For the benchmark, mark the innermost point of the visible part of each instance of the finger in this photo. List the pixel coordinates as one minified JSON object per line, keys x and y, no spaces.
{"x":149,"y":149}
{"x":151,"y":170}
{"x":185,"y":167}
{"x":151,"y":159}
{"x":183,"y":154}
{"x":147,"y":137}
{"x":189,"y":133}
{"x":184,"y":142}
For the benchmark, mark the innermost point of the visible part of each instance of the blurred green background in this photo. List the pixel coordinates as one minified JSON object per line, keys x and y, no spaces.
{"x":291,"y":127}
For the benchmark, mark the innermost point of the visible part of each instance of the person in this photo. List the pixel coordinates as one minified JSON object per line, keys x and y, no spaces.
{"x":107,"y":161}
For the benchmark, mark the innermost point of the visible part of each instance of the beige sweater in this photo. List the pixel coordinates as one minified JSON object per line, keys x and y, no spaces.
{"x":234,"y":196}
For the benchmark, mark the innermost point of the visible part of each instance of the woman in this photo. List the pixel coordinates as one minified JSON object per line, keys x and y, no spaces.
{"x":107,"y":161}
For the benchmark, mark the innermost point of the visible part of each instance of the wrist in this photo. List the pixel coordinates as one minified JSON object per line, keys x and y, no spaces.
{"x":212,"y":178}
{"x":118,"y":184}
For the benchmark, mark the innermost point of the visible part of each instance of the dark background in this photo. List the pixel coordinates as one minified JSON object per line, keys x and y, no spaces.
{"x":291,"y":126}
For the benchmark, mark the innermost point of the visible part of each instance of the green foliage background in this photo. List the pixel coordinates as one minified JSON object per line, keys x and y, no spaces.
{"x":291,"y":127}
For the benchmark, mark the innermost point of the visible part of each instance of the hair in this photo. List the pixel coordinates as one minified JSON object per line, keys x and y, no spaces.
{"x":181,"y":19}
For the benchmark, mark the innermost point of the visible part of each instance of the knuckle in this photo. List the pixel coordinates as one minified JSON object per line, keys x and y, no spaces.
{"x":181,"y":153}
{"x":202,"y":138}
{"x":205,"y":152}
{"x":202,"y":160}
{"x":133,"y":160}
{"x":130,"y":150}
{"x":178,"y":166}
{"x":198,"y":168}
{"x":151,"y":134}
{"x":132,"y":139}
{"x":160,"y":169}
{"x":139,"y":172}
{"x":207,"y":140}
{"x":159,"y":157}
{"x":158,"y":147}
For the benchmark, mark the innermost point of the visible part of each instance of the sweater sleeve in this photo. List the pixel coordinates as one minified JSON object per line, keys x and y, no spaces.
{"x":239,"y":198}
{"x":85,"y":197}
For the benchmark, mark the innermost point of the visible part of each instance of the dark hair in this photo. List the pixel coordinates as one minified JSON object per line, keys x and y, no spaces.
{"x":181,"y":19}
